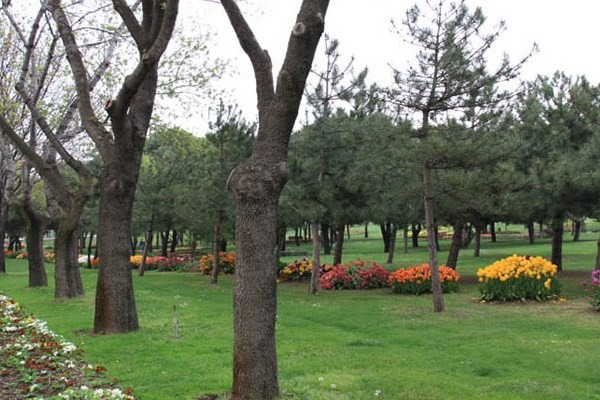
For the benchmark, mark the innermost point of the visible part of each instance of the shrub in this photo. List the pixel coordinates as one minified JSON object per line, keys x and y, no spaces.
{"x":355,"y":275}
{"x":226,"y":263}
{"x":299,"y":270}
{"x":519,"y":278}
{"x":417,"y":279}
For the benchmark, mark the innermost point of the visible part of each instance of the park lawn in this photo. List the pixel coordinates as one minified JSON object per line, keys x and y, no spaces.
{"x":348,"y":345}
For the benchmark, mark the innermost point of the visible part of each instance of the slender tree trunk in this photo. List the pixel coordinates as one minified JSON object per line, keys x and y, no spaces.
{"x":214,"y":277}
{"x":456,"y":245}
{"x":392,"y":247}
{"x":325,"y":238}
{"x":557,"y":239}
{"x":493,"y":232}
{"x":366,"y":230}
{"x":405,"y":234}
{"x":577,"y":230}
{"x":165,"y":242}
{"x":436,"y":286}
{"x":477,"y":247}
{"x":89,"y":249}
{"x":339,"y":244}
{"x":415,"y":229}
{"x":385,"y":235}
{"x":174,"y":241}
{"x":531,"y":232}
{"x":316,"y":258}
{"x":147,"y":246}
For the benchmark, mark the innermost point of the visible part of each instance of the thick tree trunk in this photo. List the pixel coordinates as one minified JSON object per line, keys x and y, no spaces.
{"x":67,"y":275}
{"x":456,"y":245}
{"x":557,"y":239}
{"x":392,"y":246}
{"x":316,"y":258}
{"x":339,"y":244}
{"x":256,"y":187}
{"x":115,"y":302}
{"x":35,"y":257}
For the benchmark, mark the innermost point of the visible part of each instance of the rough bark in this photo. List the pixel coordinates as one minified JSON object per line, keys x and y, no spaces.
{"x":35,"y":247}
{"x":256,"y":186}
{"x":129,"y":114}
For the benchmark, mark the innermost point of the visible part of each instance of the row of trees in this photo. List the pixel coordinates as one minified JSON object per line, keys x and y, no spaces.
{"x":452,"y":142}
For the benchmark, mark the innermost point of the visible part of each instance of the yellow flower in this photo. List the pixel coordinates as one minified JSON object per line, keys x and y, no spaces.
{"x":547,"y":283}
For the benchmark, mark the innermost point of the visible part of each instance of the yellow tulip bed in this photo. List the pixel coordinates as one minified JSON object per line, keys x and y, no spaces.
{"x":519,"y":278}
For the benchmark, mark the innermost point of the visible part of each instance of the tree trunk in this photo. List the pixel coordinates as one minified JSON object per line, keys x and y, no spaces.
{"x":366,"y":230}
{"x":89,"y":249}
{"x":557,"y":239}
{"x":493,"y":232}
{"x":416,"y":229}
{"x":115,"y":302}
{"x":477,"y":247}
{"x":436,"y":286}
{"x":67,"y":275}
{"x":392,"y":247}
{"x":325,"y":237}
{"x":174,"y":241}
{"x":214,"y":277}
{"x":316,"y":258}
{"x":164,"y":242}
{"x":339,"y":244}
{"x":147,"y":246}
{"x":385,"y":235}
{"x":531,"y":232}
{"x":577,"y":230}
{"x":405,"y":233}
{"x":256,"y":187}
{"x":456,"y":245}
{"x":35,"y":257}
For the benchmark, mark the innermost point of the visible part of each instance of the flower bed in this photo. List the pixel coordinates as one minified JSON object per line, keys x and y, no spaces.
{"x":358,"y":274}
{"x":36,"y":363}
{"x":299,"y":270}
{"x":226,"y":263}
{"x":417,"y":280}
{"x":519,"y":278}
{"x":595,"y":290}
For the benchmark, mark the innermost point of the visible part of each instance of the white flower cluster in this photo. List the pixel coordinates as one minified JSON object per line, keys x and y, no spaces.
{"x":13,"y":321}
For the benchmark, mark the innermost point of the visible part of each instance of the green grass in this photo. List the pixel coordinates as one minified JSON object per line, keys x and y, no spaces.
{"x":358,"y":341}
